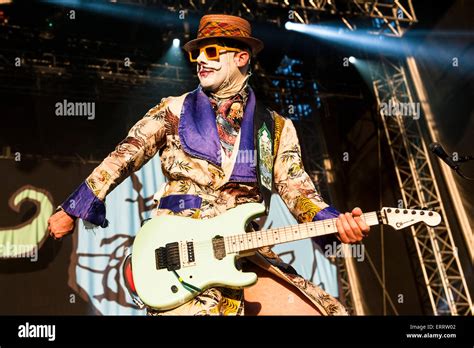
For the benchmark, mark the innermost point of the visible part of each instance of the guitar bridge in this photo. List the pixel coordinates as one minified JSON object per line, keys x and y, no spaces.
{"x":168,"y":257}
{"x":218,"y":247}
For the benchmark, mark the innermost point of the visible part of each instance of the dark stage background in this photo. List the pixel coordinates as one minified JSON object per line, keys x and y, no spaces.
{"x":58,"y":153}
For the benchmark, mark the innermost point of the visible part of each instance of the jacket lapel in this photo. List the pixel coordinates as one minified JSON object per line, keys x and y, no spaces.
{"x":197,"y":132}
{"x":197,"y":128}
{"x":245,"y":166}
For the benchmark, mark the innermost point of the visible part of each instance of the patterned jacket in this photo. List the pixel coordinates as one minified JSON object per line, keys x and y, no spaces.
{"x":183,"y":131}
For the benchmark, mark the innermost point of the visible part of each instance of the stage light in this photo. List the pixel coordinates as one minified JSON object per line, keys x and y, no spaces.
{"x":409,"y":45}
{"x":349,"y":38}
{"x":122,"y":10}
{"x":364,"y":67}
{"x":352,"y":59}
{"x":290,"y":26}
{"x":173,"y":54}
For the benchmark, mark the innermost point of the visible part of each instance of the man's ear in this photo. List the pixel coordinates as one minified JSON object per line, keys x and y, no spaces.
{"x":242,"y":58}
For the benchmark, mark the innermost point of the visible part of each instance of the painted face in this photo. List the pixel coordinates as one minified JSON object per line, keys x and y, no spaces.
{"x":214,"y":74}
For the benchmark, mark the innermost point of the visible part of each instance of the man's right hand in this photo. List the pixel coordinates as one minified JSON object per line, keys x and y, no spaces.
{"x":60,"y":224}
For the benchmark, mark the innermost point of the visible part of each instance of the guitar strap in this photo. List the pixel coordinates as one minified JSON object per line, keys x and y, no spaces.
{"x":264,"y":134}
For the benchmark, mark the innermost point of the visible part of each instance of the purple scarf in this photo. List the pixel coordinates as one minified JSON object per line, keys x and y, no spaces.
{"x":198,"y":135}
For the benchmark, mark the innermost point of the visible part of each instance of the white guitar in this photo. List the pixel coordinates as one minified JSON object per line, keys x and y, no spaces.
{"x":175,"y":258}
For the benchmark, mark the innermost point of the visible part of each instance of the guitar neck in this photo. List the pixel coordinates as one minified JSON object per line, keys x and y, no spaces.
{"x":258,"y":239}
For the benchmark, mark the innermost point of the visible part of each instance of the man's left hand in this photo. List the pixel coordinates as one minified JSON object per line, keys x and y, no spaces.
{"x":351,"y":227}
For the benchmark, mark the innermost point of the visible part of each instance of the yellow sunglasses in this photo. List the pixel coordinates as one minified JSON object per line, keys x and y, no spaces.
{"x":212,"y":52}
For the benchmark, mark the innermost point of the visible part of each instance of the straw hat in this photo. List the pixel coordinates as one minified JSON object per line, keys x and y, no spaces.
{"x":225,"y":26}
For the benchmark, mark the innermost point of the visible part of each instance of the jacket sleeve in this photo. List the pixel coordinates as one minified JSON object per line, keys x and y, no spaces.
{"x":294,"y":185}
{"x":143,"y":141}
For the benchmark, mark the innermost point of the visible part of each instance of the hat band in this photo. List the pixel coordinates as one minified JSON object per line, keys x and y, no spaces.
{"x":221,"y":29}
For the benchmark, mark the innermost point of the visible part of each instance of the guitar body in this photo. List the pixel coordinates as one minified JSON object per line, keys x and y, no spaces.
{"x":168,"y":246}
{"x":175,"y":258}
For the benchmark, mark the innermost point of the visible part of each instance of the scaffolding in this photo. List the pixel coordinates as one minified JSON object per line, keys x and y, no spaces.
{"x":389,"y":17}
{"x":40,"y":73}
{"x":441,"y":272}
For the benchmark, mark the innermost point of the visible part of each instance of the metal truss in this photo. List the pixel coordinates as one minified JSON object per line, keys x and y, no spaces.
{"x":442,"y":275}
{"x":103,"y":68}
{"x":38,"y":74}
{"x":392,"y":17}
{"x":345,"y":286}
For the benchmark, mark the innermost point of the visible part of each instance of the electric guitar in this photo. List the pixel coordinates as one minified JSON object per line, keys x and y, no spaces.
{"x":175,"y":258}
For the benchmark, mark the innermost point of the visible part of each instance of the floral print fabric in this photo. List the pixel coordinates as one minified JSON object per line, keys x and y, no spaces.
{"x":158,"y":131}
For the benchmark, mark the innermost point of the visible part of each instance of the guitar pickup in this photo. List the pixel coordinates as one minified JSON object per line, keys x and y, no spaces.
{"x":187,"y":253}
{"x":168,"y":257}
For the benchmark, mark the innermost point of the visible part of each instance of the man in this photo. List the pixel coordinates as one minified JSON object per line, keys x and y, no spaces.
{"x":199,"y":136}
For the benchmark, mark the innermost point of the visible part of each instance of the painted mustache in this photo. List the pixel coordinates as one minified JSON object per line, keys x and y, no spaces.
{"x":206,"y":72}
{"x":208,"y":69}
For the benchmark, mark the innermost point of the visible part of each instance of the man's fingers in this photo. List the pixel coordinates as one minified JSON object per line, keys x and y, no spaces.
{"x":60,"y":224}
{"x":59,"y":234}
{"x":342,"y":233}
{"x":356,"y":213}
{"x":347,"y":228}
{"x":362,"y":225}
{"x":55,"y":237}
{"x":61,"y":230}
{"x":354,"y":227}
{"x":351,"y":227}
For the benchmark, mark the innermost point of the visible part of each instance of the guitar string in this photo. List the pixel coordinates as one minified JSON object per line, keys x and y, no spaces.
{"x":256,"y":239}
{"x":267,"y":236}
{"x":234,"y":244}
{"x":285,"y":234}
{"x":241,"y":242}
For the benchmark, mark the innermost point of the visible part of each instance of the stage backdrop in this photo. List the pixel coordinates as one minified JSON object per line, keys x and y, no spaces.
{"x":82,"y":274}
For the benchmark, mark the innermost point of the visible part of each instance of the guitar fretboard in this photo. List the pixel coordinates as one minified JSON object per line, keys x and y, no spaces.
{"x":258,"y":239}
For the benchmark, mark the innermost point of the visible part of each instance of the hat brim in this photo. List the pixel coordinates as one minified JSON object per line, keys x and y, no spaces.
{"x":255,"y":44}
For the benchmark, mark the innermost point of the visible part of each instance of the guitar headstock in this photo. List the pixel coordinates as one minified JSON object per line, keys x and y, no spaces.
{"x":401,"y":218}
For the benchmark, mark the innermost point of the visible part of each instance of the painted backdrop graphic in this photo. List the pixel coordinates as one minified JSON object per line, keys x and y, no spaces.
{"x":100,"y":252}
{"x":24,"y":239}
{"x":82,"y":274}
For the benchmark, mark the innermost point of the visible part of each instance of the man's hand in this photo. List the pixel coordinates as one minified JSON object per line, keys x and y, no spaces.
{"x":60,"y":224}
{"x":351,"y":227}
